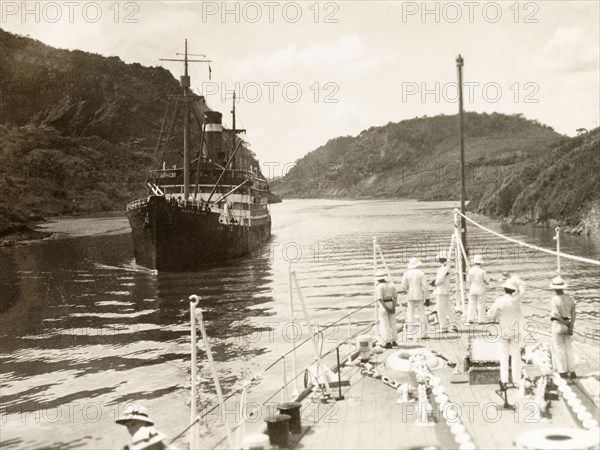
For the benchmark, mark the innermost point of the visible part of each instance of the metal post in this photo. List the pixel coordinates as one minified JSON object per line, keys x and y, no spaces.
{"x":339,"y":367}
{"x":557,"y":238}
{"x":387,"y":270}
{"x":463,"y":222}
{"x":451,"y":250}
{"x":293,"y":321}
{"x":349,"y":361}
{"x":213,"y":369}
{"x":193,"y":400}
{"x":375,"y":286}
{"x":284,"y":389}
{"x":459,"y":263}
{"x":320,"y":366}
{"x":241,"y":431}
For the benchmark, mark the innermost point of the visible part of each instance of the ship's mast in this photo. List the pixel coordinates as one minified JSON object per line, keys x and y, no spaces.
{"x":186,"y":98}
{"x":185,"y":84}
{"x":235,"y":131}
{"x":463,"y":222}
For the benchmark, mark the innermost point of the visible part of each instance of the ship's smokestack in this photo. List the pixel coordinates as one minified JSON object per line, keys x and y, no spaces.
{"x":214,"y":135}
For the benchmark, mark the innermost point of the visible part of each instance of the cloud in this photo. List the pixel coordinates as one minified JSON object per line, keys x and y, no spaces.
{"x":348,"y":53}
{"x":570,"y":50}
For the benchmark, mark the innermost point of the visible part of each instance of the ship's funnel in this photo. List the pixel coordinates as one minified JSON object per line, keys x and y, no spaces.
{"x":214,"y":135}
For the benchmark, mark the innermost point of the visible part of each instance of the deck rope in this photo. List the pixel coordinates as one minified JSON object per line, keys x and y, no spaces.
{"x":525,"y":244}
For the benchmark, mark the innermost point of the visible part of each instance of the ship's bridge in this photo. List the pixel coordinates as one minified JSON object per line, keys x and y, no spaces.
{"x":207,"y":174}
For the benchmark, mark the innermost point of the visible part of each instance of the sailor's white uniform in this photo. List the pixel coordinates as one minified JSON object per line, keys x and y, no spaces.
{"x":415,"y":283}
{"x":388,"y":329}
{"x":445,"y":308}
{"x":477,"y":281}
{"x":507,"y":310}
{"x":562,"y":305}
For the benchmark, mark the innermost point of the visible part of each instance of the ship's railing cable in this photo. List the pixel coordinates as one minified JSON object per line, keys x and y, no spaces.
{"x":534,"y":247}
{"x":259,"y":375}
{"x":300,"y":373}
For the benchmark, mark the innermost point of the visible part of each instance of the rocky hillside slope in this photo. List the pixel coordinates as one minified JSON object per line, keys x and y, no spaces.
{"x":419,"y":158}
{"x":516,"y":168}
{"x":77,"y":130}
{"x":561,"y":187}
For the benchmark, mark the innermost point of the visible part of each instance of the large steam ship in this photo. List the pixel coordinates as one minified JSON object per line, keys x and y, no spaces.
{"x":210,"y":208}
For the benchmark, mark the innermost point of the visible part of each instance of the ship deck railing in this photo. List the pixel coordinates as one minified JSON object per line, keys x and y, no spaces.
{"x":199,"y":204}
{"x":135,"y":204}
{"x":356,"y":326}
{"x":208,"y":174}
{"x":293,"y":388}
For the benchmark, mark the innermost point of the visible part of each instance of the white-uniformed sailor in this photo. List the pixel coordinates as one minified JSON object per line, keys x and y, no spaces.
{"x":414,"y":283}
{"x":562,"y":315}
{"x":477,"y":281}
{"x":507,"y":311}
{"x":387,"y":295}
{"x":143,"y":434}
{"x":445,"y":308}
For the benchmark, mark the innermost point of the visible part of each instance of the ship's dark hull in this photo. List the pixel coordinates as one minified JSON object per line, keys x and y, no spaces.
{"x":169,"y":237}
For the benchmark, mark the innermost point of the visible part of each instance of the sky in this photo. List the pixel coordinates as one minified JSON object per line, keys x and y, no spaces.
{"x":307,"y":72}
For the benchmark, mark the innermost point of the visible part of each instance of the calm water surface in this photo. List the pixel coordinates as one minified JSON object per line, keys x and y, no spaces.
{"x":84,"y":330}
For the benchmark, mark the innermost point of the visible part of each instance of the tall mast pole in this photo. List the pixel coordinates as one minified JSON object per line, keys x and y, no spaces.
{"x":233,"y":114}
{"x":186,"y":98}
{"x":463,"y":222}
{"x":233,"y":120}
{"x":239,"y":165}
{"x":185,"y":84}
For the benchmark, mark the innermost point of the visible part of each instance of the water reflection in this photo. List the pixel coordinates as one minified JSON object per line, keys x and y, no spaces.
{"x":83,"y":330}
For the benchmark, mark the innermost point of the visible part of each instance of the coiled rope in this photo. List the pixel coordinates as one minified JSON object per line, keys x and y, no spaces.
{"x":525,"y":244}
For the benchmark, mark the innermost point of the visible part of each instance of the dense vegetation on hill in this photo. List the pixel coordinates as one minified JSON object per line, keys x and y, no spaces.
{"x":77,"y":130}
{"x":561,"y":187}
{"x":516,"y":168}
{"x":418,"y":158}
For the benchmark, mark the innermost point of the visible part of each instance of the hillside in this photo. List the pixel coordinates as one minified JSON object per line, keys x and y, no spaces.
{"x":560,"y":188}
{"x":77,"y":131}
{"x":419,"y":158}
{"x":516,"y":169}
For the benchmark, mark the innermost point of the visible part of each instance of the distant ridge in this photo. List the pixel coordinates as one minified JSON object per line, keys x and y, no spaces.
{"x":517,"y":168}
{"x":418,"y":158}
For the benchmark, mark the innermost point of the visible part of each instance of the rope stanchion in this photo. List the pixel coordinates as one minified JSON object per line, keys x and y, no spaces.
{"x":534,"y":247}
{"x":376,"y":318}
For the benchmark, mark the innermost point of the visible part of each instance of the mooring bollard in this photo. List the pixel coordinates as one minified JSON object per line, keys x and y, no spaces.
{"x":278,"y":429}
{"x":292,"y":409}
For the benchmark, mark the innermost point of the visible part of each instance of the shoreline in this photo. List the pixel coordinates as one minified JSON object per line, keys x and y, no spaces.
{"x":25,"y":234}
{"x":56,"y":227}
{"x":583,"y":229}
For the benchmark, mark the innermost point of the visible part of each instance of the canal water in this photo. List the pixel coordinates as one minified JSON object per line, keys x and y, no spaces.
{"x":84,"y":331}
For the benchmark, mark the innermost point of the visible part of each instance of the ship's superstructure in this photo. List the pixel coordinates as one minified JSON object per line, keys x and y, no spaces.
{"x":211,"y":208}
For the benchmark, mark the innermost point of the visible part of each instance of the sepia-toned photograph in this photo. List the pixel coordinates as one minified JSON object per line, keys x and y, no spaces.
{"x":260,"y":225}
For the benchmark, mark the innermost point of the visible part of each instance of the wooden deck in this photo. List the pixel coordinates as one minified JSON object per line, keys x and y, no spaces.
{"x":370,"y":417}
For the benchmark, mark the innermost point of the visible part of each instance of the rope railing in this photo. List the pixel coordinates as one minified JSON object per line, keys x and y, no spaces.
{"x":300,"y":373}
{"x":534,"y":247}
{"x":260,"y":374}
{"x":455,"y":245}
